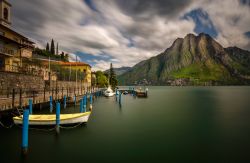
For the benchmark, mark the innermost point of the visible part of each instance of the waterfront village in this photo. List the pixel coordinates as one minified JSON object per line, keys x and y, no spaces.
{"x":27,"y":69}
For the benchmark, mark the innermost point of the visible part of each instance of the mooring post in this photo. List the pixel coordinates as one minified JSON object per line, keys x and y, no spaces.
{"x":75,"y":100}
{"x":25,"y":131}
{"x":81,"y":105}
{"x":57,"y":117}
{"x":116,"y":94}
{"x":84,"y":103}
{"x":30,"y":106}
{"x":50,"y":104}
{"x":120,"y":98}
{"x":64,"y":101}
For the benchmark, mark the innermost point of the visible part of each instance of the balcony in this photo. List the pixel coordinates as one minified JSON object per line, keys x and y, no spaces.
{"x":7,"y":51}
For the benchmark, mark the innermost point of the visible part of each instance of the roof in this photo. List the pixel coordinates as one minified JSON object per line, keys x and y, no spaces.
{"x":20,"y":35}
{"x":6,"y":2}
{"x":74,"y":64}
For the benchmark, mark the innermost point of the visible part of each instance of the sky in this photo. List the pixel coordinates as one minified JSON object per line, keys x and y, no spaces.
{"x":126,"y":32}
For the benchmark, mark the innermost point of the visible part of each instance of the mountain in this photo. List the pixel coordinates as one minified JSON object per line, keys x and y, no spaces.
{"x":119,"y":71}
{"x":193,"y":60}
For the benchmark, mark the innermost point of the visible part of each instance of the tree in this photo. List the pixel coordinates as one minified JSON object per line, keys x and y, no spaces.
{"x":62,"y":56}
{"x":112,"y":77}
{"x":47,"y":47}
{"x":67,"y":57}
{"x":57,"y":51}
{"x":52,"y":47}
{"x":101,"y":79}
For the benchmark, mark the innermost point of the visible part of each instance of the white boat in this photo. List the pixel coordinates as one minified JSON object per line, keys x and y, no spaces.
{"x":50,"y":119}
{"x":109,"y":92}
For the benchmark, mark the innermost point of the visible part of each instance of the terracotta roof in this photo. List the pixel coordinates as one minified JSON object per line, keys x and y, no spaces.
{"x":74,"y":64}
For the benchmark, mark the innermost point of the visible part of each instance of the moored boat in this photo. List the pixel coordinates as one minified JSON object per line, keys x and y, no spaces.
{"x":109,"y":92}
{"x":50,"y":119}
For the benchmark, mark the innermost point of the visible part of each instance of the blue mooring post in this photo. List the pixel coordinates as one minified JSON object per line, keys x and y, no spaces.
{"x":90,"y":102}
{"x":30,"y":106}
{"x":116,"y":94}
{"x":81,"y":105}
{"x":84,"y":103}
{"x":25,"y":132}
{"x":57,"y":117}
{"x":120,"y":98}
{"x":64,"y":102}
{"x":50,"y":104}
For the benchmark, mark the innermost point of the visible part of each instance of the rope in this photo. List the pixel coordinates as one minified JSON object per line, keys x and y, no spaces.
{"x":38,"y":129}
{"x":8,"y":127}
{"x":71,"y":127}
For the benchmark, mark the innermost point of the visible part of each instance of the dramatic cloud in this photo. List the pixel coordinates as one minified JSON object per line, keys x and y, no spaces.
{"x":125,"y":32}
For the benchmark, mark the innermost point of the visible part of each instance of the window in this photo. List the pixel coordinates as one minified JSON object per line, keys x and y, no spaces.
{"x":5,"y":14}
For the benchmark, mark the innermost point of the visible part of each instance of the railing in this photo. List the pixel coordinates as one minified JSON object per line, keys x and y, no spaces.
{"x":18,"y":97}
{"x":5,"y":50}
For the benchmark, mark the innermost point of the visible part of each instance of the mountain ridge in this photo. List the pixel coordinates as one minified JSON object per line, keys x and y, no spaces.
{"x":192,"y":60}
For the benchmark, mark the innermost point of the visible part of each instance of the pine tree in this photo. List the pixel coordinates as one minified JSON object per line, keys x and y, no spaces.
{"x":112,"y":77}
{"x":47,"y":47}
{"x":57,"y":51}
{"x":52,"y":47}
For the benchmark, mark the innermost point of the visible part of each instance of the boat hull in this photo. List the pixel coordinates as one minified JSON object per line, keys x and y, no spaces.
{"x":47,"y":120}
{"x":109,"y":94}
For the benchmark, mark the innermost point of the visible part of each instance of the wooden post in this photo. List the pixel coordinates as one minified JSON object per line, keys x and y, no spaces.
{"x":13,"y":98}
{"x":34,"y":97}
{"x":62,"y":92}
{"x":8,"y":92}
{"x":81,"y":88}
{"x":44,"y":91}
{"x":56,"y":92}
{"x":20,"y":98}
{"x":67,"y":92}
{"x":52,"y":94}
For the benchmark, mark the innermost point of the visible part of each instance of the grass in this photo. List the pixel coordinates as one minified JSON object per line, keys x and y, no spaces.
{"x":207,"y":71}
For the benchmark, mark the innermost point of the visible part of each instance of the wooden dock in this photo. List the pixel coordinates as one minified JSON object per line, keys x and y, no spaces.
{"x":19,"y":98}
{"x":136,"y":92}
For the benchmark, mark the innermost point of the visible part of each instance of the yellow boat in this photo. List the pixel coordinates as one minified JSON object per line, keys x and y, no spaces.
{"x":50,"y":119}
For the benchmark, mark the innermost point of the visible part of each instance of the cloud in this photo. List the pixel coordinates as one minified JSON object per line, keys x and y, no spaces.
{"x":231,"y":20}
{"x":125,"y":32}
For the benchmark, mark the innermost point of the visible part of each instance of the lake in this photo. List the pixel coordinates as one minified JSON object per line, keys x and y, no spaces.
{"x":174,"y":124}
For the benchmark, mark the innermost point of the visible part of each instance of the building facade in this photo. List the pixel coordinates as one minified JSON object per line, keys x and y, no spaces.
{"x":14,"y":47}
{"x":83,"y":71}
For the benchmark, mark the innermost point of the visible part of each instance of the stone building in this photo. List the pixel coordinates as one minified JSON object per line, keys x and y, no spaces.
{"x":14,"y":47}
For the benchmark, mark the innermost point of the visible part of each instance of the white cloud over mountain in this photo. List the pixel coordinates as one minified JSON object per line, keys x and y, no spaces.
{"x":124,"y":32}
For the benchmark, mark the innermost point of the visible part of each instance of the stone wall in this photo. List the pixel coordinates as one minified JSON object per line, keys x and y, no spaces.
{"x":66,"y":84}
{"x":10,"y":80}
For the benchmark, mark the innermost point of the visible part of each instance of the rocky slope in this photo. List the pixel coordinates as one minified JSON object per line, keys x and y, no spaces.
{"x":193,"y":60}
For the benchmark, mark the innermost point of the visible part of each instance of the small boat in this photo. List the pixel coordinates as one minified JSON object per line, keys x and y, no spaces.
{"x":109,"y":92}
{"x":50,"y":119}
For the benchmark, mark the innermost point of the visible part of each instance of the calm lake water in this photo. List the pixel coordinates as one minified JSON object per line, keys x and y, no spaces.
{"x":174,"y":124}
